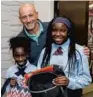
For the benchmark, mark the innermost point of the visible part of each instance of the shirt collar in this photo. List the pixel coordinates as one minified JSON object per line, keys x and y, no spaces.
{"x":25,"y":65}
{"x":34,"y":36}
{"x":63,"y":46}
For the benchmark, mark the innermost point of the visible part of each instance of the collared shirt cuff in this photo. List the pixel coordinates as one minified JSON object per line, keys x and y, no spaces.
{"x":71,"y":84}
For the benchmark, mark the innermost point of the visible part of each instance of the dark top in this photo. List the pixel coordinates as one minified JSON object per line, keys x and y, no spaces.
{"x":36,"y":48}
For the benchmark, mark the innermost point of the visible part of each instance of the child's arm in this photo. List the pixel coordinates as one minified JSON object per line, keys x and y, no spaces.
{"x":10,"y":82}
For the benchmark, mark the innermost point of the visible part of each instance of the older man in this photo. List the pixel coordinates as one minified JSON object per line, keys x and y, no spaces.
{"x":33,"y":29}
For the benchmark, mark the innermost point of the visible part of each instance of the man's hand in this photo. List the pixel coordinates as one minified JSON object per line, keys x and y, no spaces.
{"x":86,"y":51}
{"x":61,"y":80}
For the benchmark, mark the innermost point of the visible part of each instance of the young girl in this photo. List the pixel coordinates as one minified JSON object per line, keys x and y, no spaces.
{"x":20,"y":47}
{"x":61,"y":49}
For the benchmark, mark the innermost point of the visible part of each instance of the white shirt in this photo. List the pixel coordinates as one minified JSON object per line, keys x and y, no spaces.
{"x":80,"y":77}
{"x":13,"y":69}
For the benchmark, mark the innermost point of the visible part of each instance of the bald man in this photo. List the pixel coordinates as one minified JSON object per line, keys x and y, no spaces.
{"x":35,"y":30}
{"x":28,"y":17}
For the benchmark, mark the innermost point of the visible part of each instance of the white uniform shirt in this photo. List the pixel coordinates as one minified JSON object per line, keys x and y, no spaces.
{"x":80,"y":77}
{"x":13,"y":69}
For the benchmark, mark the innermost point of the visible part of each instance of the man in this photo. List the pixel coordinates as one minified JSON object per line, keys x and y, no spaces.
{"x":35,"y":30}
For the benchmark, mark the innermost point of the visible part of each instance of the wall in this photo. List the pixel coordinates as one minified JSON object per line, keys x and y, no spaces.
{"x":90,"y":36}
{"x":11,"y":26}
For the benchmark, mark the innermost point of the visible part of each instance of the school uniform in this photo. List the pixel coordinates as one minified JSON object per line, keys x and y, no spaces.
{"x":18,"y":73}
{"x":80,"y":76}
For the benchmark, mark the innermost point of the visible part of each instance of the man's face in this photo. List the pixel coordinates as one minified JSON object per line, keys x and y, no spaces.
{"x":28,"y":17}
{"x":59,"y":33}
{"x":20,"y":56}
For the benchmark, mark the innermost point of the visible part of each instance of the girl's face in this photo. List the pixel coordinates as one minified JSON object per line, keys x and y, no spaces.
{"x":59,"y":33}
{"x":20,"y":56}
